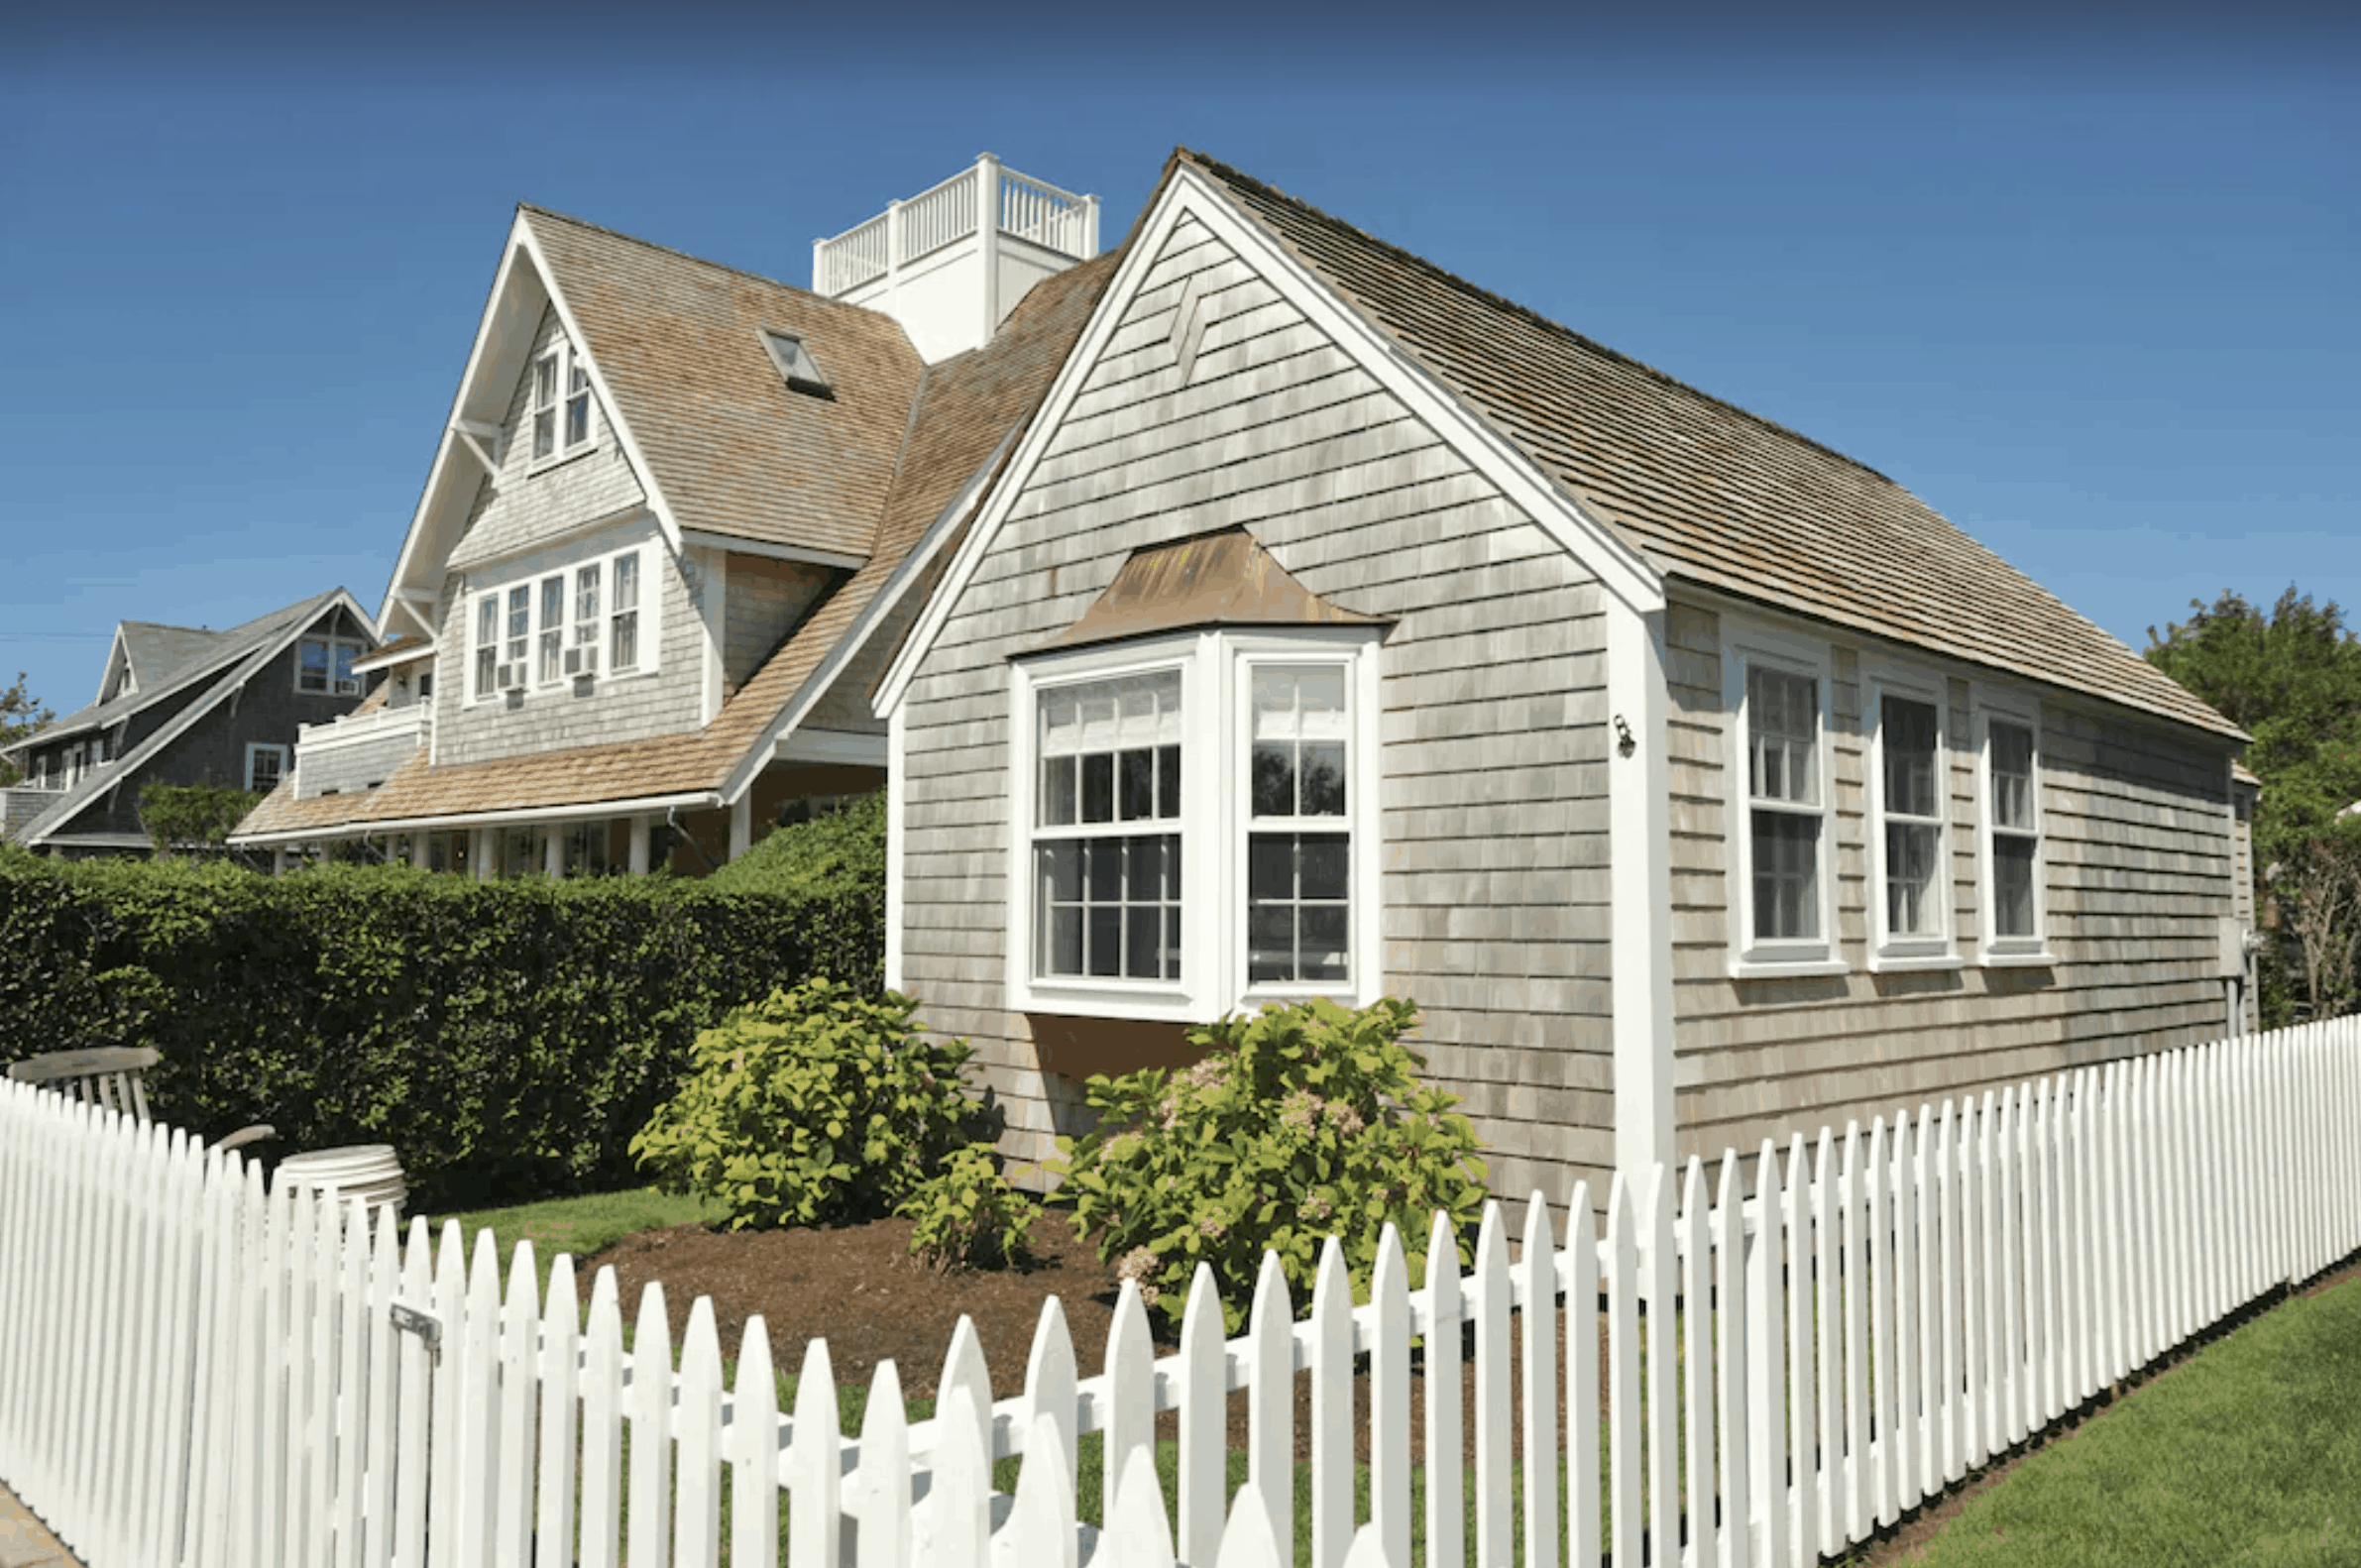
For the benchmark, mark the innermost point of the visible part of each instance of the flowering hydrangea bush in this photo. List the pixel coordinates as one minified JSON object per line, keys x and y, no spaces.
{"x":1304,"y":1120}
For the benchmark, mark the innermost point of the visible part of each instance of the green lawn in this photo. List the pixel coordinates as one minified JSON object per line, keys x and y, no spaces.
{"x":2251,"y":1450}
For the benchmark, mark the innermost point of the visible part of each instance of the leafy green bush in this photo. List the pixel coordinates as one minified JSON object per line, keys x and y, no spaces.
{"x":967,"y":1215}
{"x":192,"y":817}
{"x":838,"y":855}
{"x":506,"y":1038}
{"x":818,"y":1105}
{"x":1305,"y":1120}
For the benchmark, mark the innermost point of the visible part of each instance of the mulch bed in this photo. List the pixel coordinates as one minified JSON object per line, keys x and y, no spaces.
{"x":858,"y":1288}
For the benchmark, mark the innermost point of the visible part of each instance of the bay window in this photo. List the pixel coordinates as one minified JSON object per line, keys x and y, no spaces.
{"x":1777,"y":689}
{"x":1195,"y":819}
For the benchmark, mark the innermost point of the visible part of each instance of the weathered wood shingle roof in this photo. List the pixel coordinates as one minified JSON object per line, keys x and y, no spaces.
{"x":955,"y":416}
{"x":1709,"y":492}
{"x":680,"y":343}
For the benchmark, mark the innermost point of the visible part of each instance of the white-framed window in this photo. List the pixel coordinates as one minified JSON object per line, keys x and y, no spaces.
{"x":559,"y":626}
{"x":1781,"y":839}
{"x":1910,"y":892}
{"x":1196,"y":825}
{"x":266,"y":765}
{"x":560,"y":403}
{"x":324,"y":666}
{"x":2008,"y":819}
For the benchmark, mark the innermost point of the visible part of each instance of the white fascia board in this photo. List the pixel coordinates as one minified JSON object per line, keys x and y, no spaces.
{"x":1623,"y":570}
{"x":878,"y":610}
{"x":387,"y":661}
{"x":497,"y":341}
{"x":530,"y":243}
{"x":453,"y":822}
{"x":856,"y":747}
{"x":92,"y":840}
{"x":118,"y":655}
{"x":835,"y":560}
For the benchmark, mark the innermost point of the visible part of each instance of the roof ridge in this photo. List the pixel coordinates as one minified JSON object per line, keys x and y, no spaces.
{"x":681,"y":254}
{"x":1239,"y":177}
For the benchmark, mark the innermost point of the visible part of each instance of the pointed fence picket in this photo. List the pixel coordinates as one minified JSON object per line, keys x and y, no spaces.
{"x":204,"y":1370}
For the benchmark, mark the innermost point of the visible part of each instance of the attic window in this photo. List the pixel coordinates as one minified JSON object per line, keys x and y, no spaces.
{"x":795,"y":362}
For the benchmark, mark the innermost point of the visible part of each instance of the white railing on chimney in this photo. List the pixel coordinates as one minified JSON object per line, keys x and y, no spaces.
{"x":1025,"y":208}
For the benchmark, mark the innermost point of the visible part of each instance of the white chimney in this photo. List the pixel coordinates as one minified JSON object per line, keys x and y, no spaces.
{"x":951,"y":263}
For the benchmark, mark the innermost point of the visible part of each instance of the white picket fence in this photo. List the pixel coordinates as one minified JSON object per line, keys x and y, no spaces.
{"x":197,"y":1372}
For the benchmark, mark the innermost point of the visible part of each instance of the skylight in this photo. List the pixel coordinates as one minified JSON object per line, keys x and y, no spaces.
{"x":795,"y":362}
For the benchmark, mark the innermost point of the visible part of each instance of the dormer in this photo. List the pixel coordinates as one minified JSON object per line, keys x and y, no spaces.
{"x":950,"y":264}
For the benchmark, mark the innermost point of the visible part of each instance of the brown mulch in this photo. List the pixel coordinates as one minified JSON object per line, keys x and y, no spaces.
{"x":858,"y":1287}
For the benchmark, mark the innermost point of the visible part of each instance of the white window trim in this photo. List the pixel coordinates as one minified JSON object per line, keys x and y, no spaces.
{"x":255,"y":748}
{"x":1743,"y":644}
{"x":648,"y":606}
{"x":1216,"y":669}
{"x":569,"y":361}
{"x":350,"y":686}
{"x":1890,"y":953}
{"x":1994,"y":950}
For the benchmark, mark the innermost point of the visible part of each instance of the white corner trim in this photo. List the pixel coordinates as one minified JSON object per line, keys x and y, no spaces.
{"x":1639,"y":888}
{"x":897,"y":843}
{"x":1623,"y":570}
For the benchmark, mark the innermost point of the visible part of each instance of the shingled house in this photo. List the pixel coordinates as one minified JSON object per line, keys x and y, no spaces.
{"x":1260,"y":612}
{"x":184,"y":704}
{"x":665,"y":544}
{"x":1339,"y":628}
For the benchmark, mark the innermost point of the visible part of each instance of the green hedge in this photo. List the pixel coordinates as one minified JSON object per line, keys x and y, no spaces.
{"x":508,"y":1039}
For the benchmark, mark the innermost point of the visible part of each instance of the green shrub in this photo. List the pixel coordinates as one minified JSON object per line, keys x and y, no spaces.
{"x":815,"y":1106}
{"x":1305,"y":1120}
{"x":840,"y":854}
{"x":968,"y":1216}
{"x":506,"y":1038}
{"x":195,"y":818}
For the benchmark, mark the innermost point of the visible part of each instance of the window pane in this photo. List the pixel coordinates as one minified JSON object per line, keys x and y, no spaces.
{"x":2012,"y":776}
{"x":1105,"y":940}
{"x":345,"y":653}
{"x":586,"y":593}
{"x":311,"y":669}
{"x":1323,"y":778}
{"x":545,"y":381}
{"x":1269,"y":941}
{"x":578,"y":419}
{"x":1143,"y":942}
{"x":1138,"y":785}
{"x":624,"y":654}
{"x":1783,"y":735}
{"x":1168,"y":781}
{"x":2012,"y":886}
{"x":1270,"y":866}
{"x":1274,"y":778}
{"x":1098,"y":784}
{"x":1786,"y":877}
{"x":486,"y":658}
{"x":1065,"y":955}
{"x":545,"y":432}
{"x":1144,"y":876}
{"x":1057,"y":792}
{"x":1172,"y":933}
{"x":1323,"y":956}
{"x":488,"y":618}
{"x":520,"y":610}
{"x":626,"y":581}
{"x":1911,"y":895}
{"x":1103,"y":870}
{"x":1321,"y":861}
{"x":1909,"y":745}
{"x":1062,"y":872}
{"x":551,"y":644}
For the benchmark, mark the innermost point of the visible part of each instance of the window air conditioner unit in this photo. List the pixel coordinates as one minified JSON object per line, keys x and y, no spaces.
{"x":511,"y":678}
{"x":581,"y":660}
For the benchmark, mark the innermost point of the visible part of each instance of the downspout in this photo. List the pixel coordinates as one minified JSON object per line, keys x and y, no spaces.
{"x":673,"y":827}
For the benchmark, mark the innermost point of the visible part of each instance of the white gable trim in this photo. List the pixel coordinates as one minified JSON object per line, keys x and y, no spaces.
{"x":498,"y":355}
{"x":1622,"y":570}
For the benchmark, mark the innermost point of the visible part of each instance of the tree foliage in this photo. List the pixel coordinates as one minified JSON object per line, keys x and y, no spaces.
{"x":2291,"y":677}
{"x":192,"y":818}
{"x":20,"y":716}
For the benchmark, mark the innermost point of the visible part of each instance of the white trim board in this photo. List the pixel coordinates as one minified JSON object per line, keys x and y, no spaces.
{"x":1621,"y":571}
{"x":702,"y":800}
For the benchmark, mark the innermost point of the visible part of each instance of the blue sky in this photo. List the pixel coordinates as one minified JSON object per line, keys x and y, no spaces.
{"x":2088,"y":289}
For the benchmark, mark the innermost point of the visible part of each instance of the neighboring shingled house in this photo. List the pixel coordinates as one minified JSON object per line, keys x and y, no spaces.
{"x":663,"y":548}
{"x":1338,"y":628}
{"x":181,"y":705}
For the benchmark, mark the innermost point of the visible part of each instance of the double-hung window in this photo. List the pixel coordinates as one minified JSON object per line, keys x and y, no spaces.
{"x":623,"y":613}
{"x":2010,"y":802}
{"x":266,"y":764}
{"x":1777,"y":689}
{"x":561,"y":403}
{"x":552,"y":641}
{"x":324,"y":666}
{"x":1196,"y":824}
{"x":1909,"y":845}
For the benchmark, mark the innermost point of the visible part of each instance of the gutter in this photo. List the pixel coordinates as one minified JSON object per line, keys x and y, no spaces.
{"x":453,"y":822}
